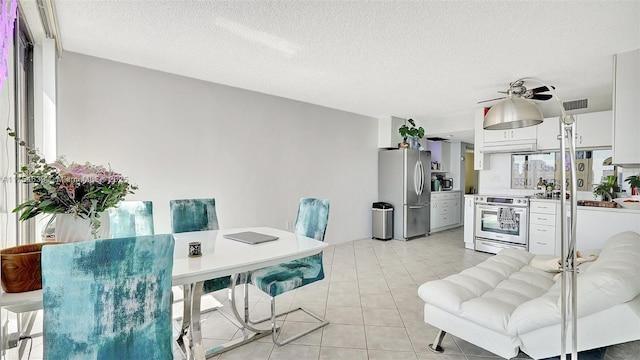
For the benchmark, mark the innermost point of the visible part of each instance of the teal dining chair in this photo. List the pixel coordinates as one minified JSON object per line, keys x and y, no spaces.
{"x":195,"y":215}
{"x":131,"y":218}
{"x":108,"y":299}
{"x":311,"y":221}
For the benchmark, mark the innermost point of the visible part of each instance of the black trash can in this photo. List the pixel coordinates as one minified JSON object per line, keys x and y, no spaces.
{"x":382,"y":221}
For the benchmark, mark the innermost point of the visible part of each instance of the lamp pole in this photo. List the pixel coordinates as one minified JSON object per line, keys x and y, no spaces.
{"x":568,"y":228}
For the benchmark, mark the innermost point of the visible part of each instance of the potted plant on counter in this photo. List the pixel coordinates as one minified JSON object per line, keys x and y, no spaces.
{"x":634,"y":181}
{"x":406,"y":131}
{"x":607,"y":188}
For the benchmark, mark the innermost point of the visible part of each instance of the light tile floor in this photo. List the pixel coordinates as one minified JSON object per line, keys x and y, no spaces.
{"x":370,"y":296}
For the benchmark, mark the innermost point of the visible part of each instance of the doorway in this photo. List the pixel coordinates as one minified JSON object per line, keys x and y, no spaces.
{"x":470,"y":175}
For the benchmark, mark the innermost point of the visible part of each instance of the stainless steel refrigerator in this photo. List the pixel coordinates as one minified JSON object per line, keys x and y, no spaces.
{"x":404,"y":180}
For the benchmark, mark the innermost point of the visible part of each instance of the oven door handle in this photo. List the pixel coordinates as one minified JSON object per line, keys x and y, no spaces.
{"x":487,"y":207}
{"x":517,"y":209}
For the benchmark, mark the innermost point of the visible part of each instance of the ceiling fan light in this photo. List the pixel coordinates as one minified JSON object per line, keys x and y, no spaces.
{"x":512,"y":113}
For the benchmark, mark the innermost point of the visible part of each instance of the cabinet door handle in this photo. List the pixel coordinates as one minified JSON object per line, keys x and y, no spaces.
{"x":542,"y":230}
{"x":542,"y":218}
{"x":539,"y":243}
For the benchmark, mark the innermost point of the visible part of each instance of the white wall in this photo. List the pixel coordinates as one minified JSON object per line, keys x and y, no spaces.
{"x":257,"y":154}
{"x":497,"y":179}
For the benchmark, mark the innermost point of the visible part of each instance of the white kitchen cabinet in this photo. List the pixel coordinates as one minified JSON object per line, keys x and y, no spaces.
{"x":445,"y":210}
{"x":478,"y":156}
{"x":544,"y":227}
{"x":595,"y":225}
{"x":522,"y":134}
{"x":626,"y":109}
{"x":455,"y":211}
{"x":388,"y":134}
{"x":548,"y":132}
{"x":500,"y":141}
{"x":593,"y":130}
{"x":469,"y":221}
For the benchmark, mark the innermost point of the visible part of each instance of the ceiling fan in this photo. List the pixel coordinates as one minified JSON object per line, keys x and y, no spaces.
{"x":517,"y":89}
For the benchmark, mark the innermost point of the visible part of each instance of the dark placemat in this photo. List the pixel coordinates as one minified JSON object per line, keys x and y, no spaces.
{"x":593,"y":354}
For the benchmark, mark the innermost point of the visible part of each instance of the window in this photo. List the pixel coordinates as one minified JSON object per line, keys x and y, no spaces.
{"x":529,"y":170}
{"x":23,"y":111}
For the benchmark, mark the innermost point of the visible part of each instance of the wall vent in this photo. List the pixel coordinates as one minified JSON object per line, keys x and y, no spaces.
{"x":576,"y":104}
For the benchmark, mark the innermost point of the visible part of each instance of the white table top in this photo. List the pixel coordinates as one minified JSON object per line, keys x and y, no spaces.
{"x":220,"y":257}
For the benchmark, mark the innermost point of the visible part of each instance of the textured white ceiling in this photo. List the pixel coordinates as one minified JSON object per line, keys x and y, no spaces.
{"x":427,"y":59}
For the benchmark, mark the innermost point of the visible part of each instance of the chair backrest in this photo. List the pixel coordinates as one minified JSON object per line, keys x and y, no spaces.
{"x":193,"y":215}
{"x":108,"y":299}
{"x":131,"y":218}
{"x":312,"y":219}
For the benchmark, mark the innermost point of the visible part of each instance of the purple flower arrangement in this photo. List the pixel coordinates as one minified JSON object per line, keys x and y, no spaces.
{"x":84,"y":190}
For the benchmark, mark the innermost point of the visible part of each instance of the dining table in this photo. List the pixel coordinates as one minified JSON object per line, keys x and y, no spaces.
{"x":219,"y":257}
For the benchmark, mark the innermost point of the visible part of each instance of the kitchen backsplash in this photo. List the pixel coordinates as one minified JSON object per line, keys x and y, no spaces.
{"x":497,"y":179}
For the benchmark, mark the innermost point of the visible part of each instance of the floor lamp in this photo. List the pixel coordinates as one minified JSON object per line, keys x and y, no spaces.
{"x":516,"y":112}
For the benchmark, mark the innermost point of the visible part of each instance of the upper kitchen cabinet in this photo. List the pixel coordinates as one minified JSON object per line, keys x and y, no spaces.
{"x":626,"y":109}
{"x":478,"y":156}
{"x":511,"y":136}
{"x":500,"y":141}
{"x":593,"y":130}
{"x":388,"y":134}
{"x":548,"y":134}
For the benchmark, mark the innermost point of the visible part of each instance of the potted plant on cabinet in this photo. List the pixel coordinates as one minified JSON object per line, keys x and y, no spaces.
{"x":634,"y":181}
{"x":413,"y":131}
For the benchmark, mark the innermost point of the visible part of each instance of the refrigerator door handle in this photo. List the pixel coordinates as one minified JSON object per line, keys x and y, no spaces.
{"x":416,"y":207}
{"x":421,"y":177}
{"x":416,"y":179}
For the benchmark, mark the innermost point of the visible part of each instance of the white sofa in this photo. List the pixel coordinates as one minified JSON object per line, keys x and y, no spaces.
{"x":504,"y":304}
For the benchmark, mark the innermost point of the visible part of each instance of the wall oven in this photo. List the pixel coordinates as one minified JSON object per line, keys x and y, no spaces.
{"x":501,"y":222}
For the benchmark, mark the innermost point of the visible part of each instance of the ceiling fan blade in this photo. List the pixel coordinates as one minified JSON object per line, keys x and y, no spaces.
{"x":483,"y":101}
{"x":541,"y":89}
{"x":541,"y":97}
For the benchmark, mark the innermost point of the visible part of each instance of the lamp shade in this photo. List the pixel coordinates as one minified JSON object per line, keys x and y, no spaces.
{"x":512,"y":113}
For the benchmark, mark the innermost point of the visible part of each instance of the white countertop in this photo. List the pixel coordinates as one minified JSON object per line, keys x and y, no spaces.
{"x":555,"y":201}
{"x":617,"y":210}
{"x":590,"y":208}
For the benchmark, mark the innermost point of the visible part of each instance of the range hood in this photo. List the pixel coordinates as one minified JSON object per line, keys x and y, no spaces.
{"x":510,"y":147}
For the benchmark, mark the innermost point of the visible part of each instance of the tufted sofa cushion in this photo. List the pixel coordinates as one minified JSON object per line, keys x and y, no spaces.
{"x":519,"y":305}
{"x":614,"y":278}
{"x":488,"y":293}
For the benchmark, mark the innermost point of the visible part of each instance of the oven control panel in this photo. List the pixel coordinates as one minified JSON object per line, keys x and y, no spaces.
{"x":502,"y":200}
